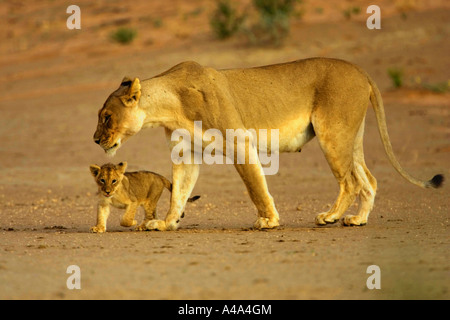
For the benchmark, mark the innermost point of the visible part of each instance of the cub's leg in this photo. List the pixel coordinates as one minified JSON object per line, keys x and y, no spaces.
{"x":150,"y":207}
{"x":150,"y":214}
{"x":367,"y":184}
{"x":127,"y":219}
{"x":102,"y":216}
{"x":184,"y":179}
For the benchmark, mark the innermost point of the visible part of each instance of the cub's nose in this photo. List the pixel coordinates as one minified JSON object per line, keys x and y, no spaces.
{"x":97,"y":141}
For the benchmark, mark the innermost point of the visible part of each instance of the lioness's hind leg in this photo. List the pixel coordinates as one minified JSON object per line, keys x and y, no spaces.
{"x":367,"y":184}
{"x":345,"y":198}
{"x":337,"y":146}
{"x":367,"y":196}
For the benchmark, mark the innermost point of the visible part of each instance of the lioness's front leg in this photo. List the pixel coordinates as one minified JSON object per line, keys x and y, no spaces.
{"x":255,"y":181}
{"x":102,"y":216}
{"x":184,"y":179}
{"x":250,"y":169}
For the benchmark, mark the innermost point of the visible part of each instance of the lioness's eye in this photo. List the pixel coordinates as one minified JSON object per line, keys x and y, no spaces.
{"x":107,"y":117}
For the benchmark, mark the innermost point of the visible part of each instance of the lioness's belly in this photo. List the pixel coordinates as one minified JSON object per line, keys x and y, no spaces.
{"x":290,"y":137}
{"x":294,"y":136}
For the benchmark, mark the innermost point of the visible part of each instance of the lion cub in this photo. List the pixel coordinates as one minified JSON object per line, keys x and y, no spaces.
{"x":127,"y":190}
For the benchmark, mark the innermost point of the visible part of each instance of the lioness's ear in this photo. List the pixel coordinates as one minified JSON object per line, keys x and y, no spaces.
{"x":122,"y":167}
{"x":95,"y":170}
{"x":126,"y":82}
{"x":133,"y":92}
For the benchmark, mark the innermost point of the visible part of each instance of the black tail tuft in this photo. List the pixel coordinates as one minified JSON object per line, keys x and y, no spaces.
{"x":437,"y":181}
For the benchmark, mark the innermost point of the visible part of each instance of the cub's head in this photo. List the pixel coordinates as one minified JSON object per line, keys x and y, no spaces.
{"x":108,"y":177}
{"x":120,"y":117}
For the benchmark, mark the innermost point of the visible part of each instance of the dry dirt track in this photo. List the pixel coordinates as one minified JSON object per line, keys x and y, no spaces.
{"x":48,"y":105}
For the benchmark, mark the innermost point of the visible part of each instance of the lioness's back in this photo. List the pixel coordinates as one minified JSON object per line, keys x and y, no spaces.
{"x":268,"y":96}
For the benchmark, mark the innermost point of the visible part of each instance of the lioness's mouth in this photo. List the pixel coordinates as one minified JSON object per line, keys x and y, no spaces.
{"x":114,"y":146}
{"x":112,"y":150}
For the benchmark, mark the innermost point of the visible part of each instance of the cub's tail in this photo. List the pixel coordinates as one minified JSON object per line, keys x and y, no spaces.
{"x":377,"y":103}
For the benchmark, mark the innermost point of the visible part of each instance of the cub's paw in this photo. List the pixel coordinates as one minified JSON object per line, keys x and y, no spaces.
{"x":159,"y":225}
{"x":127,"y":223}
{"x":98,"y":229}
{"x":352,"y":220}
{"x":141,"y":227}
{"x":265,"y":223}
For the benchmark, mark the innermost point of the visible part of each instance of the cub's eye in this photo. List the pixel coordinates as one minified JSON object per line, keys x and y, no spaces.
{"x":114,"y":181}
{"x":102,"y":181}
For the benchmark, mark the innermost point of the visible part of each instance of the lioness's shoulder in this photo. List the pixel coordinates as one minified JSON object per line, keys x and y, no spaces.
{"x":183,"y":68}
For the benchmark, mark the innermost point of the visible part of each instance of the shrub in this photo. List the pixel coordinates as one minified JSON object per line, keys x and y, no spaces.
{"x":225,"y":21}
{"x":274,"y":17}
{"x":348,"y":13}
{"x":396,"y":75}
{"x":124,"y":35}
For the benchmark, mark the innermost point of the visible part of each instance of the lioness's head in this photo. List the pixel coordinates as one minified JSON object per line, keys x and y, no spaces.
{"x":120,"y":117}
{"x":108,"y":177}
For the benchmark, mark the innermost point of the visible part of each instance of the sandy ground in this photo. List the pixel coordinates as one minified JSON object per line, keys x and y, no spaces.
{"x":54,"y":80}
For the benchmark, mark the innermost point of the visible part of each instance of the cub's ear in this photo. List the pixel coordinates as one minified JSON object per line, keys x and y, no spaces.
{"x":132,"y":93}
{"x":95,"y":170}
{"x":122,"y":167}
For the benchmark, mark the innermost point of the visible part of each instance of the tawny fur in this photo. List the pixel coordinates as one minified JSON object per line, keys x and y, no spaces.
{"x":326,"y":98}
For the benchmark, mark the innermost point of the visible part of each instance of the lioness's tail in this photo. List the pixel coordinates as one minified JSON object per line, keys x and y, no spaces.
{"x":377,"y":103}
{"x":168,"y":185}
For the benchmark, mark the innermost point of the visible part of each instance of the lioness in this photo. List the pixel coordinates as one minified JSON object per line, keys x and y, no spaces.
{"x":321,"y":97}
{"x":127,"y":190}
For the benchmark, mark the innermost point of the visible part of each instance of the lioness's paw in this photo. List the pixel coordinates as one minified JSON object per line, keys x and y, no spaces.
{"x":98,"y":229}
{"x":266,"y":223}
{"x":325,"y":218}
{"x":159,"y":225}
{"x":351,"y":220}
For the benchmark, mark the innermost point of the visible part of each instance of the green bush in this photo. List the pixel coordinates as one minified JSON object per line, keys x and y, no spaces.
{"x":396,"y":75}
{"x":440,"y":87}
{"x":225,"y":21}
{"x":352,"y":11}
{"x":124,"y":35}
{"x":274,"y":17}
